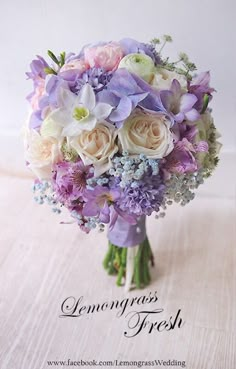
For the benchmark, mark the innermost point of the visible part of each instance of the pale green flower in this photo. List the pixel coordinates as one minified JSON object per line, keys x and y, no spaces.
{"x":139,"y":64}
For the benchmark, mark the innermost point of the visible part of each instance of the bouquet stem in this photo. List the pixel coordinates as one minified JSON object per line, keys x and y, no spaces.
{"x":130,"y":264}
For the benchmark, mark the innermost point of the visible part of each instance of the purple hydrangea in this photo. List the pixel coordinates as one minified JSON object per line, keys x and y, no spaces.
{"x":96,"y":77}
{"x":123,"y":93}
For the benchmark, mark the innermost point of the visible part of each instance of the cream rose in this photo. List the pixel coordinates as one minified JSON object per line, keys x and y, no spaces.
{"x":146,"y":133}
{"x":139,"y":64}
{"x":97,"y":146}
{"x":41,"y":153}
{"x":163,"y":79}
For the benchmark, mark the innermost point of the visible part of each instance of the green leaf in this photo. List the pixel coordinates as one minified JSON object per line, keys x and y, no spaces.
{"x":62,"y":58}
{"x":49,"y":71}
{"x":53,"y":57}
{"x":205,"y":103}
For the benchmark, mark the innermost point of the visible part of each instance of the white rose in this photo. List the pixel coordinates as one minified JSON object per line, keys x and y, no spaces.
{"x":41,"y":153}
{"x":97,"y":146}
{"x":146,"y":133}
{"x":163,"y":79}
{"x":139,"y":64}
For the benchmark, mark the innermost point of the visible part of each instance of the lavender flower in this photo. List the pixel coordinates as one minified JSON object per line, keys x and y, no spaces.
{"x":98,"y":202}
{"x":37,"y":67}
{"x":200,"y":87}
{"x":183,"y":158}
{"x":179,"y":105}
{"x":144,"y":198}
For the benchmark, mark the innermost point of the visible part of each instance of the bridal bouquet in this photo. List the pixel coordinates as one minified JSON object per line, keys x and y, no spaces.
{"x":115,"y":133}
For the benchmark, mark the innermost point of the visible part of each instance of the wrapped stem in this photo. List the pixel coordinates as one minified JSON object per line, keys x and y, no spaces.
{"x":129,"y":254}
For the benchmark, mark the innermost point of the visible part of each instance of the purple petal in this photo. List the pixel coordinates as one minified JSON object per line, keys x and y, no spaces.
{"x":187,"y":101}
{"x":129,"y":218}
{"x":135,"y":99}
{"x":105,"y":218}
{"x":191,"y":133}
{"x":179,"y":117}
{"x":108,"y":97}
{"x":90,"y":209}
{"x":122,"y":83}
{"x":35,"y":120}
{"x":114,"y":216}
{"x":202,"y":79}
{"x":201,"y":146}
{"x":192,"y":115}
{"x":176,"y":88}
{"x":166,"y":98}
{"x":122,"y":111}
{"x":115,"y":194}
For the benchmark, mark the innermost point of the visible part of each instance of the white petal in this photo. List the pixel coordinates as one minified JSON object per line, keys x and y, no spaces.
{"x":73,"y":129}
{"x":88,"y":123}
{"x":87,"y":97}
{"x":66,"y":98}
{"x":61,"y":116}
{"x":102,"y":110}
{"x":76,"y":127}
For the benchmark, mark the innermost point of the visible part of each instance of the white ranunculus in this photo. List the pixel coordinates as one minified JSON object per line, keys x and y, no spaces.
{"x":146,"y":133}
{"x":41,"y":153}
{"x":97,"y":146}
{"x":163,"y":79}
{"x":139,"y":64}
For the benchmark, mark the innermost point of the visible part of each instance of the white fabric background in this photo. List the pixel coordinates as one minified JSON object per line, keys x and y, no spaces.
{"x":204,"y":29}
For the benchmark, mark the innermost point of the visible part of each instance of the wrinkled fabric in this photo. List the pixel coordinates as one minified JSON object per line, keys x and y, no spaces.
{"x":124,"y":234}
